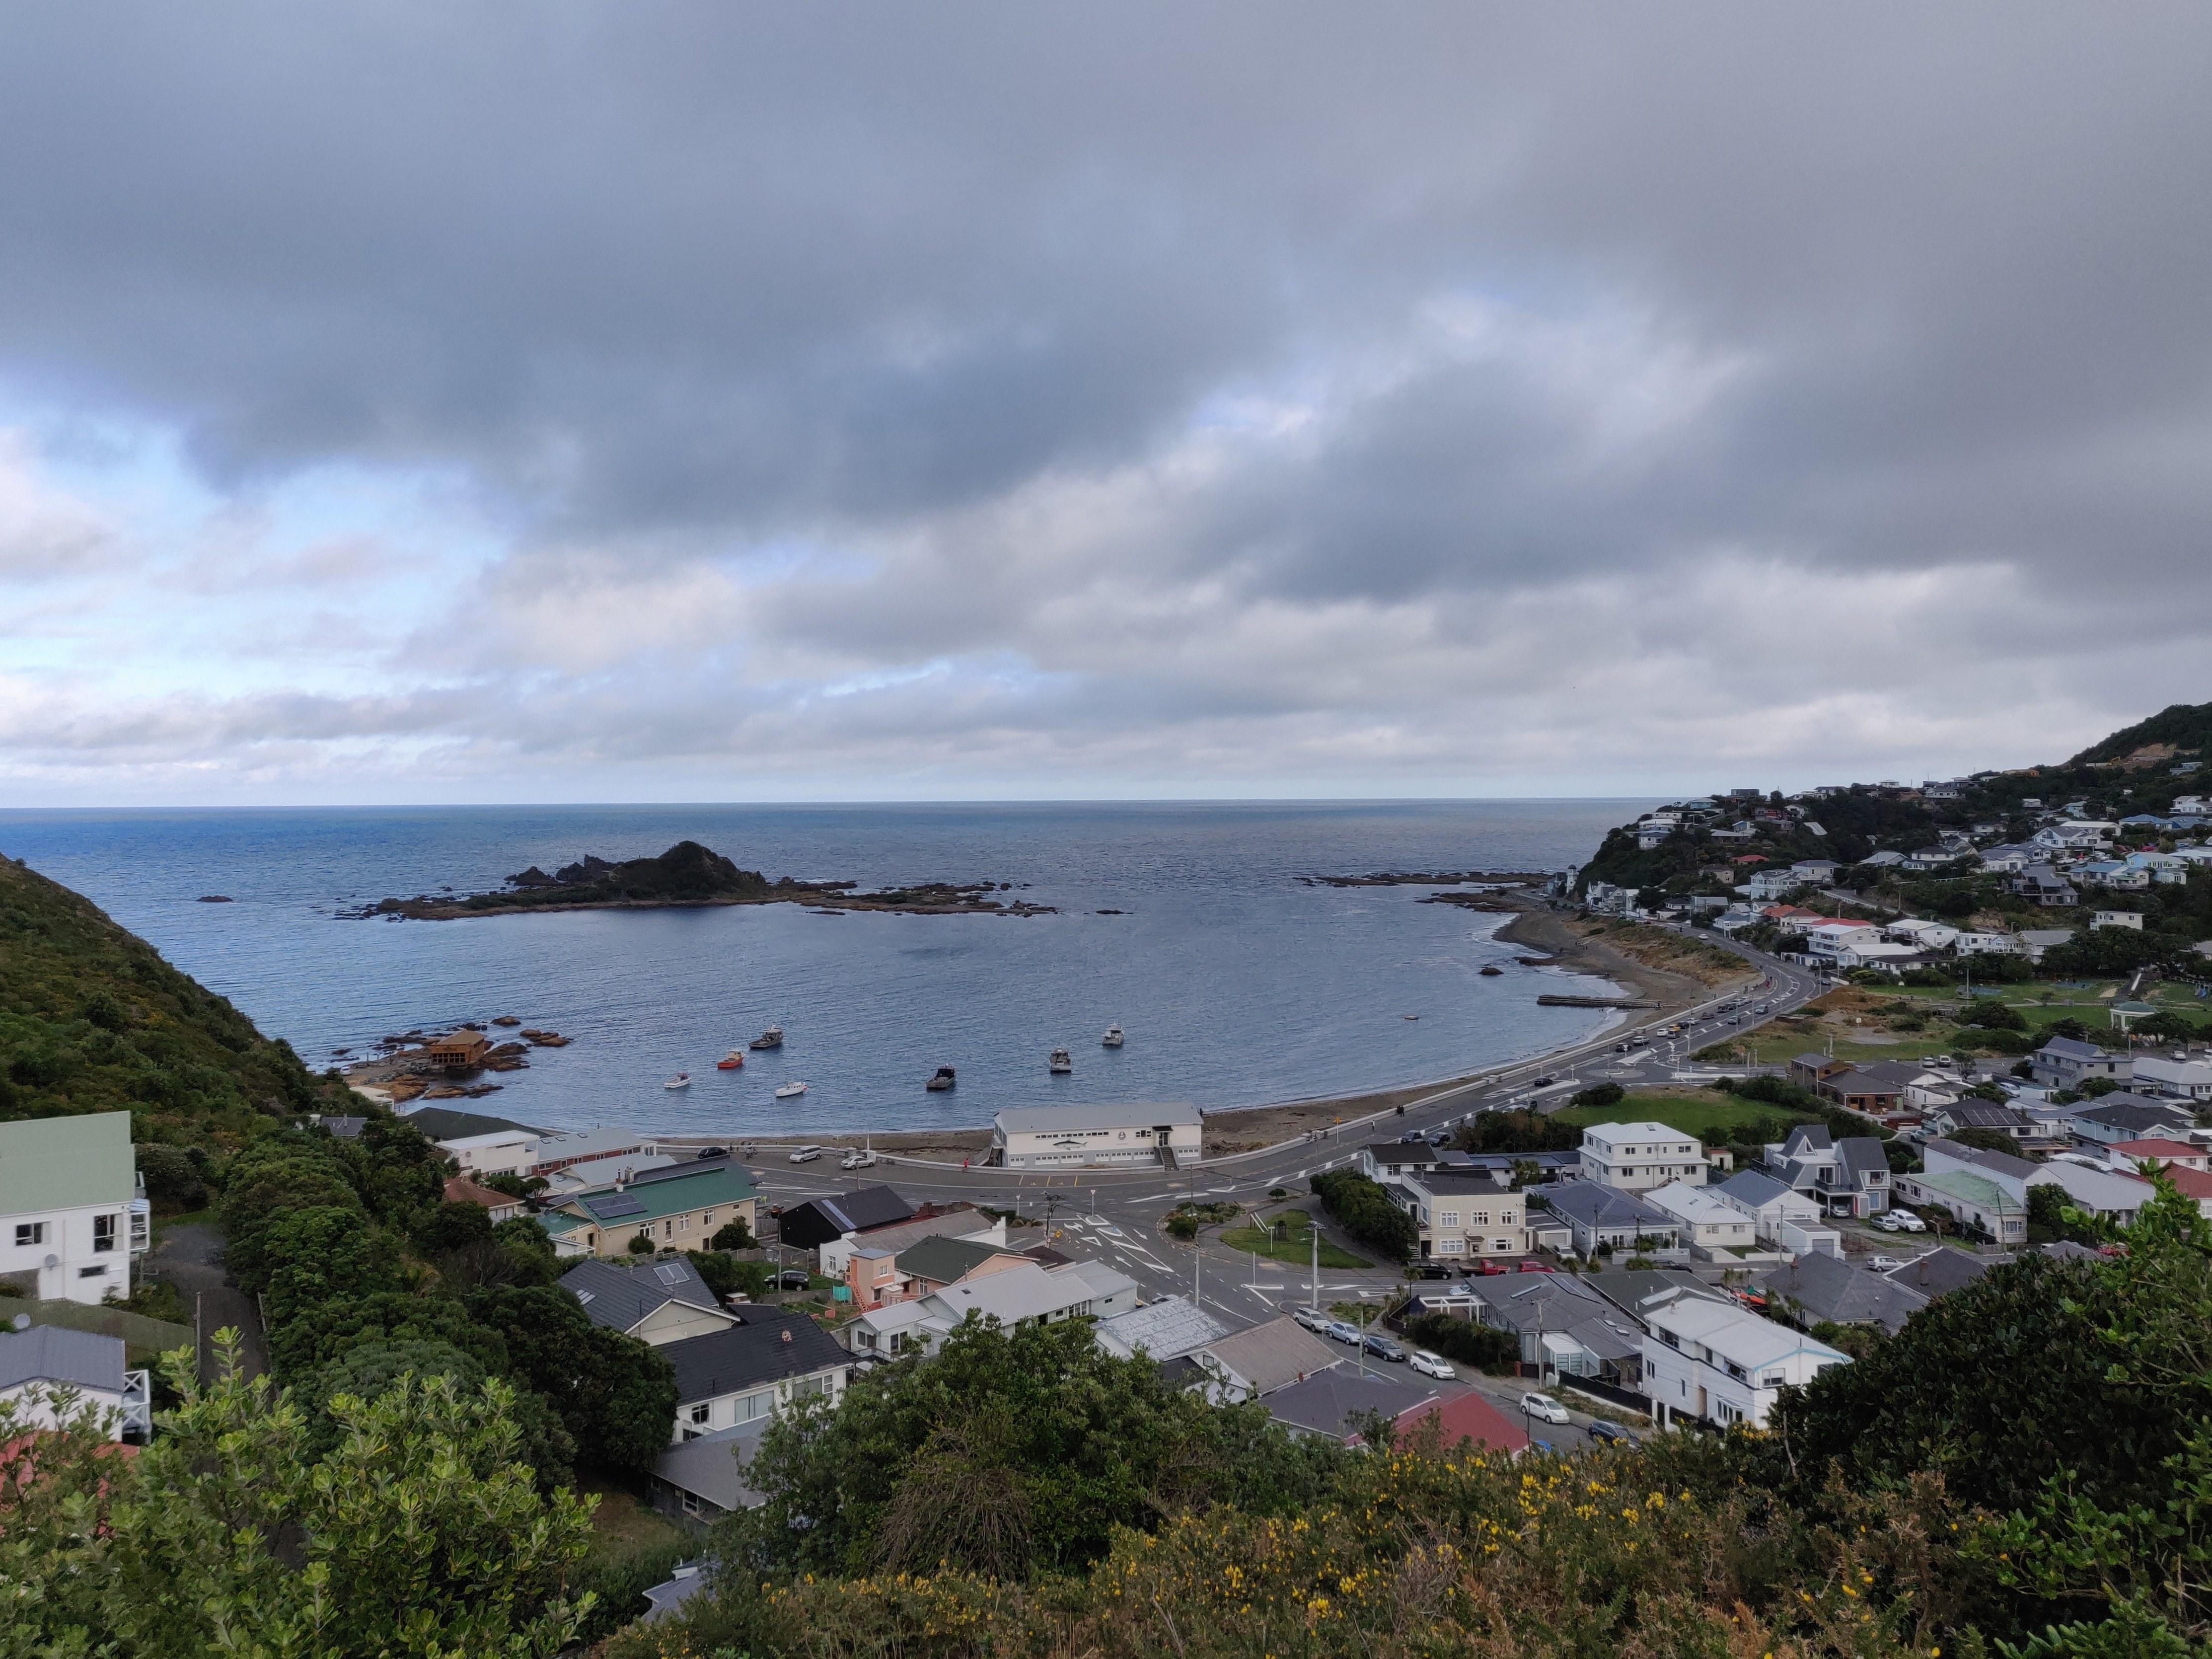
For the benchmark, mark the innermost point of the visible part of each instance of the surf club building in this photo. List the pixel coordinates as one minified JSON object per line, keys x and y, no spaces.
{"x":1096,"y":1137}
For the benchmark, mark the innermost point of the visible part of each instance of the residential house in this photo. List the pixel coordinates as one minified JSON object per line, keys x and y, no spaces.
{"x":2011,"y":858}
{"x":1888,"y":857}
{"x":752,"y":1369}
{"x":1028,"y":1294}
{"x":1809,"y":1071}
{"x":49,"y":1374}
{"x":1464,"y":1215}
{"x":1164,"y":1328}
{"x":1846,"y":1177}
{"x":1709,"y":1222}
{"x":1255,"y":1362}
{"x":2121,"y":1115}
{"x":1332,"y":1405}
{"x":656,"y":1302}
{"x":1921,"y":935}
{"x":2184,"y":1079}
{"x":1772,"y":883}
{"x":1638,"y":1156}
{"x":703,"y":1479}
{"x":1976,"y":1202}
{"x":500,"y":1206}
{"x":677,"y":1208}
{"x":931,"y":1264}
{"x":2088,"y":1185}
{"x":1815,"y":872}
{"x":1566,"y":1326}
{"x":1973,"y":943}
{"x":1781,"y":1216}
{"x":820,"y":1221}
{"x":931,"y":1221}
{"x":1465,"y":1417}
{"x":2126,"y":1156}
{"x":1707,"y":1363}
{"x":1927,"y":860}
{"x":2040,"y":885}
{"x":1970,"y":1112}
{"x":2065,"y":1063}
{"x":1390,"y":1160}
{"x":571,"y":1149}
{"x":1862,"y":1092}
{"x":73,"y":1212}
{"x":496,"y":1151}
{"x":1599,"y":1217}
{"x":1818,"y":1289}
{"x":2131,"y":918}
{"x":2081,"y":837}
{"x":1938,"y":1271}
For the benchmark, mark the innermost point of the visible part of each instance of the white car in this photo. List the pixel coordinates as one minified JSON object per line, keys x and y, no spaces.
{"x":1429,"y":1365}
{"x":806,"y":1155}
{"x":1907,"y":1221}
{"x":1312,"y":1318}
{"x":1543,"y":1406}
{"x":857,"y":1161}
{"x":1884,"y":1221}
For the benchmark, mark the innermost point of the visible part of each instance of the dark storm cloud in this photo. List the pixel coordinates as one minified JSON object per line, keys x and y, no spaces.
{"x":1097,"y":374}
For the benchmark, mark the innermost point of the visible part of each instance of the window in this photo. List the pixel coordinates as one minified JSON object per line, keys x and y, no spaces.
{"x":1479,"y":1219}
{"x":668,"y":1230}
{"x":1448,"y":1218}
{"x":1451,"y":1246}
{"x":700,"y":1412}
{"x":30,"y":1233}
{"x":691,"y":1503}
{"x":99,"y":1271}
{"x":1772,"y":1380}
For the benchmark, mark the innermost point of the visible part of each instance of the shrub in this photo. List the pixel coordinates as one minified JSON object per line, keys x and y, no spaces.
{"x":1365,"y":1211}
{"x":1487,"y":1346}
{"x":734,"y":1236}
{"x":640,"y":1244}
{"x":1602,"y":1094}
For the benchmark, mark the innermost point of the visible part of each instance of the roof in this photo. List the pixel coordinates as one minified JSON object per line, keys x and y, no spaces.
{"x":1969,"y":1112}
{"x":1104,"y":1279}
{"x":1483,"y":1183}
{"x":66,"y":1163}
{"x":1735,"y":1333}
{"x":713,"y":1466}
{"x":821,"y":1219}
{"x":1329,"y":1401}
{"x":1464,"y":1417}
{"x":2003,"y":1164}
{"x":941,"y":1261}
{"x":49,"y":1353}
{"x":1824,"y":1288}
{"x":1024,"y":1293}
{"x":1856,"y":1082}
{"x":1271,"y":1356}
{"x":2069,"y":1048}
{"x":766,"y":1346}
{"x":658,"y":1193}
{"x":1861,"y":1155}
{"x":1634,"y":1289}
{"x":1755,"y":1187}
{"x":1939,"y":1271}
{"x":1611,"y":1134}
{"x":462,"y":1190}
{"x":1171,"y":1325}
{"x":619,"y":1298}
{"x":1974,"y":1189}
{"x":2190,"y":1183}
{"x":1597,"y":1206}
{"x":444,"y":1123}
{"x":2157,"y":1147}
{"x":1810,"y":1137}
{"x":1048,"y":1120}
{"x":514,"y":1136}
{"x":2098,"y":1190}
{"x":1693,"y":1204}
{"x":956,"y":1221}
{"x":2136,"y":1113}
{"x":1402,"y":1152}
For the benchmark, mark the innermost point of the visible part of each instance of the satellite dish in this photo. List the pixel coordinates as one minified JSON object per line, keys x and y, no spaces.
{"x":53,"y":1262}
{"x":21,"y":1322}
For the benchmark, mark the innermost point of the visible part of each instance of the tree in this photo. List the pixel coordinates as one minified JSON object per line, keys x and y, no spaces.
{"x":373,"y":1369}
{"x":453,"y":1227}
{"x":615,"y":1397}
{"x":640,"y":1244}
{"x":1601,"y":1094}
{"x":1365,"y":1210}
{"x":733,"y":1236}
{"x":1989,"y":1140}
{"x":417,"y":1535}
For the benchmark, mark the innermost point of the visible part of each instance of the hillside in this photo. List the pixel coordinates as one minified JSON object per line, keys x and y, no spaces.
{"x":93,"y":1020}
{"x":2185,"y":728}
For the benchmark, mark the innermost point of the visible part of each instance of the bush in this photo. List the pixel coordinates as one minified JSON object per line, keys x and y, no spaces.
{"x":1602,"y":1094}
{"x":1365,"y":1211}
{"x":736,"y":1235}
{"x":640,"y":1244}
{"x":172,"y":1181}
{"x":1993,"y":1014}
{"x":1487,"y":1347}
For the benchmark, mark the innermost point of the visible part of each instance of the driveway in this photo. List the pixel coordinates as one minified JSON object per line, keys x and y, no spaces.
{"x":191,"y":1258}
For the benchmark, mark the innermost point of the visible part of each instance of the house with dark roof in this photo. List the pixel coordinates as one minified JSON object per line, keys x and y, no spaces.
{"x":1939,"y":1271}
{"x":758,"y":1365}
{"x":2120,"y":1116}
{"x":1845,"y":1178}
{"x":2065,"y":1063}
{"x":1816,"y":1288}
{"x":656,"y":1302}
{"x":1598,"y":1216}
{"x":1969,"y":1112}
{"x":701,"y":1480}
{"x":1331,"y":1405}
{"x":1387,"y":1160}
{"x":47,"y":1371}
{"x":931,"y":1264}
{"x":1257,"y":1361}
{"x":1566,"y":1326}
{"x":820,"y":1221}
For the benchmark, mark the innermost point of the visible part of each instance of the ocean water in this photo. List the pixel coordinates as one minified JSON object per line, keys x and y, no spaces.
{"x":1237,"y":984}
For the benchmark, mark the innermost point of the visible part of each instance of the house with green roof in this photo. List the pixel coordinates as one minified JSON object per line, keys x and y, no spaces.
{"x":678,"y":1208}
{"x":1976,"y":1201}
{"x":73,"y":1213}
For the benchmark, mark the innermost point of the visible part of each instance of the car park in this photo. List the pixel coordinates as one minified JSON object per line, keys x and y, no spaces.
{"x":1337,"y":1330}
{"x":1612,"y":1434}
{"x":1312,"y":1318}
{"x":1544,"y":1407}
{"x":1383,"y":1348}
{"x":806,"y":1155}
{"x":1435,"y":1365}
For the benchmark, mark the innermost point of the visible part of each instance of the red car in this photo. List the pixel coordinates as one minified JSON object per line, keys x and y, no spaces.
{"x":1535,"y":1267}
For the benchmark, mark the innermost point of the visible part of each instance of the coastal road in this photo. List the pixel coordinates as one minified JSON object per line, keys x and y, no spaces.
{"x":1114,"y":1215}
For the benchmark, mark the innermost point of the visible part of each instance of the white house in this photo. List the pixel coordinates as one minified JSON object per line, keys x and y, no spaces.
{"x":2116,"y":919}
{"x":1077,"y":1137}
{"x":1772,"y":1206}
{"x":1025,"y":1295}
{"x":2187,"y":1079}
{"x":1713,"y":1363}
{"x":49,"y":1373}
{"x":1709,"y":1221}
{"x":1922,"y":935}
{"x":502,"y":1151}
{"x":1638,"y":1157}
{"x":73,"y":1214}
{"x":753,"y":1369}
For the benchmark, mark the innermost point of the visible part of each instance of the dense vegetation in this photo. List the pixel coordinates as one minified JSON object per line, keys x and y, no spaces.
{"x":1365,"y":1211}
{"x":93,"y":1020}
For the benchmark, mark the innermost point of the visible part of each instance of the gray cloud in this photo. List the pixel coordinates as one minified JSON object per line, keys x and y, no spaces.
{"x":1412,"y":398}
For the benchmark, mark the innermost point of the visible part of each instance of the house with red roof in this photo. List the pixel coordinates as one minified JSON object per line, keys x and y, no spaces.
{"x":1464,"y":1417}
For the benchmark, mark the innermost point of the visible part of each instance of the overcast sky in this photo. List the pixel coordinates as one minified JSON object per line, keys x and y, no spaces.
{"x":727,"y":401}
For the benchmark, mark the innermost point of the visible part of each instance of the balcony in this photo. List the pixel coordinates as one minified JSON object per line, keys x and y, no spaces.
{"x":141,"y":1226}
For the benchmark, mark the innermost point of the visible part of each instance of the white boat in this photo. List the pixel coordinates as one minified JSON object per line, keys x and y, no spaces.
{"x":788,"y":1091}
{"x":681,"y":1080}
{"x":1113,"y":1037}
{"x":1060,"y":1063}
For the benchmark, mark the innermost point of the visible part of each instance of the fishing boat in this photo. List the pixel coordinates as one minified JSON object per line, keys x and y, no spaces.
{"x":1060,"y":1063}
{"x":790,"y":1090}
{"x":1113,"y":1037}
{"x":730,"y":1061}
{"x":939,"y":1084}
{"x":681,"y":1080}
{"x":771,"y":1038}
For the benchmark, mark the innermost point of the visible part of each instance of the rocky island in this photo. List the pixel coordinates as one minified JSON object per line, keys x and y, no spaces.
{"x":690,"y":874}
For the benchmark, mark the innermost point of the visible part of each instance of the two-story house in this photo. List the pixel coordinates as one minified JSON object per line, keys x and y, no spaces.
{"x":761,"y":1363}
{"x":2064,"y":1063}
{"x":73,"y":1214}
{"x":1706,"y":1362}
{"x":1638,"y":1157}
{"x":656,"y":1302}
{"x":1846,"y":1177}
{"x":1463,"y":1216}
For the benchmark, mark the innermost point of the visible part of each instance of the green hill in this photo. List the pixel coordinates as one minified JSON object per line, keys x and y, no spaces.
{"x":2186,"y":728}
{"x":93,"y":1020}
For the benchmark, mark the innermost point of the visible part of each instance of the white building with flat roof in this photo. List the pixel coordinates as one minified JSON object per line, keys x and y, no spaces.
{"x":1709,"y":1362}
{"x":1640,"y":1157}
{"x":1095,"y":1137}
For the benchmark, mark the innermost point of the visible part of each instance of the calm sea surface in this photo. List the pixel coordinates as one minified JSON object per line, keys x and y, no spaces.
{"x":1237,"y":984}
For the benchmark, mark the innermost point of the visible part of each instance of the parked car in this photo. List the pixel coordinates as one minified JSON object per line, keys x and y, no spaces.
{"x":1883,"y":1264}
{"x":792,"y":1279}
{"x":706,"y":1152}
{"x":1908,"y":1221}
{"x":1542,"y":1406}
{"x":1885,"y":1221}
{"x":1429,"y":1365}
{"x":862,"y":1160}
{"x":1383,"y":1348}
{"x":1411,"y":1136}
{"x":1432,"y":1270}
{"x":1312,"y":1318}
{"x":1543,"y":1083}
{"x":1337,"y":1330}
{"x":1532,"y":1265}
{"x":1612,"y":1434}
{"x":806,"y":1155}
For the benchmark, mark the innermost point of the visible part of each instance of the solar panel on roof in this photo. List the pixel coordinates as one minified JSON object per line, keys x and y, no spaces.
{"x":668,"y":1274}
{"x":617,"y":1204}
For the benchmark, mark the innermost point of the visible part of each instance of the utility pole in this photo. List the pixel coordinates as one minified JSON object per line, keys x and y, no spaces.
{"x":1313,"y":1233}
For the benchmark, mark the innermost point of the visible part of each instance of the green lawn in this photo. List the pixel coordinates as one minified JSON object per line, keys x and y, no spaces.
{"x":1291,"y":1240}
{"x":1711,"y":1116}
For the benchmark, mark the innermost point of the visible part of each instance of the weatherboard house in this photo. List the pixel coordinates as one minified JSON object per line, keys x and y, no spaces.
{"x":677,"y":1208}
{"x":73,"y":1213}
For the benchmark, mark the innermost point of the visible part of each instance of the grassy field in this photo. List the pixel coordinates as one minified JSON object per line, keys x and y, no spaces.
{"x":1290,"y":1240}
{"x":1710,"y":1115}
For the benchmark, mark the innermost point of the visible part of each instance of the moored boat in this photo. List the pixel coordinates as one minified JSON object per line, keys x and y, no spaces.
{"x":1113,"y":1038}
{"x":788,"y":1091}
{"x":1059,"y":1064}
{"x":941,"y":1082}
{"x":681,"y":1080}
{"x":730,"y":1061}
{"x":771,"y":1038}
